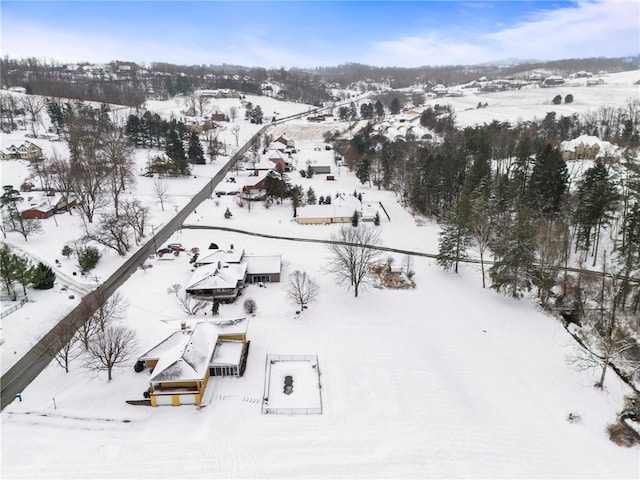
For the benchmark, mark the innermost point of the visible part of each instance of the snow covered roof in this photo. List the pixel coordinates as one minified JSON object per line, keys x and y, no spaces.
{"x":227,"y":352}
{"x":589,"y":141}
{"x":185,"y":355}
{"x":226,"y":256}
{"x":341,"y":207}
{"x":263,"y":263}
{"x":217,"y":275}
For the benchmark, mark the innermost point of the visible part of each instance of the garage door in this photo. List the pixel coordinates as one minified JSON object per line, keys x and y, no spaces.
{"x":164,"y":400}
{"x":187,"y":399}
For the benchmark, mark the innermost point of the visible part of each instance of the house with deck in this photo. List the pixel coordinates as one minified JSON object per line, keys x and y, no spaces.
{"x":222,"y":274}
{"x":183,"y":364}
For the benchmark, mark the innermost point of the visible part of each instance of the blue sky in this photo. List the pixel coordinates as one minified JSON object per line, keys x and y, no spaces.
{"x":315,"y":33}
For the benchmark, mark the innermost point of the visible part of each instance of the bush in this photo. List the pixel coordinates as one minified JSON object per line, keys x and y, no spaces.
{"x":623,"y":435}
{"x":227,"y":213}
{"x":250,"y":306}
{"x":66,"y":251}
{"x":215,"y":308}
{"x":138,"y":367}
{"x":557,"y":100}
{"x":42,"y":277}
{"x":303,"y":173}
{"x":568,"y":98}
{"x":88,"y":258}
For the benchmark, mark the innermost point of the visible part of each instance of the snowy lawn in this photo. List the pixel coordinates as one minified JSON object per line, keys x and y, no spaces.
{"x":447,"y":380}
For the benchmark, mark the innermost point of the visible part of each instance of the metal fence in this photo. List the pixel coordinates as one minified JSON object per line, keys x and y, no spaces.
{"x":272,"y":358}
{"x":19,"y":305}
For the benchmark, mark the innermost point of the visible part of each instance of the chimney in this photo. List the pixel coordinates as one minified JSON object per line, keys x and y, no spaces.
{"x":183,"y":325}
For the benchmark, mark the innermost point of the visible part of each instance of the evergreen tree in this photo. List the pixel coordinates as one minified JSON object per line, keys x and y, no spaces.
{"x":596,"y":198}
{"x":175,"y":151}
{"x":42,"y":277}
{"x":395,"y":106}
{"x":195,"y":152}
{"x":522,"y":170}
{"x":514,"y":257}
{"x":311,"y":197}
{"x":455,"y":235}
{"x":363,"y":170}
{"x":355,"y":219}
{"x":353,"y":111}
{"x":379,"y":108}
{"x":548,"y":183}
{"x":295,"y":199}
{"x":88,"y":258}
{"x":22,"y":271}
{"x":56,"y":114}
{"x":376,"y":219}
{"x":628,"y":254}
{"x":7,"y":271}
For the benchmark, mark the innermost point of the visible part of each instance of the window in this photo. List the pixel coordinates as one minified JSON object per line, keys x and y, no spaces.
{"x":261,"y":279}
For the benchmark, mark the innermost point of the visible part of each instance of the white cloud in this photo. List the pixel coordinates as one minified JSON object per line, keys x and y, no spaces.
{"x":607,"y":28}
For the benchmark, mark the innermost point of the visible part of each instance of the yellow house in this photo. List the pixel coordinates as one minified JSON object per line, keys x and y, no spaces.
{"x":182,"y":364}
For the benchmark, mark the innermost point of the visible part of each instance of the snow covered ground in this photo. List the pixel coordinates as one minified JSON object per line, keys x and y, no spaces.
{"x":446,"y":380}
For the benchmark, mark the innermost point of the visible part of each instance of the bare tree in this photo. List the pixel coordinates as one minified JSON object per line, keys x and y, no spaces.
{"x":65,"y":347}
{"x":136,"y":216}
{"x":233,"y":113}
{"x":117,"y":151}
{"x":189,"y":304}
{"x":33,"y":105}
{"x":111,"y":348}
{"x":250,"y":306}
{"x":107,"y":309}
{"x":88,"y":177}
{"x":60,"y":173}
{"x":175,"y":289}
{"x":211,"y":137}
{"x":352,"y":255}
{"x":302,"y":289}
{"x":112,"y":232}
{"x":203,"y":103}
{"x":235,"y":130}
{"x":160,"y":189}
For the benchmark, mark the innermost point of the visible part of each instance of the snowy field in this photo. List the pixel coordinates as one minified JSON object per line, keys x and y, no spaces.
{"x":619,"y":91}
{"x":448,"y":380}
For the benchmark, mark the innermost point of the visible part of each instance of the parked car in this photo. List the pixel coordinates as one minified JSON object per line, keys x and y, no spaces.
{"x":163,"y":251}
{"x":176,"y":247}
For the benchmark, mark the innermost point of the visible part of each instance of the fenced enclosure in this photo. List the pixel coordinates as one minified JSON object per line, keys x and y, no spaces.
{"x":292,"y":385}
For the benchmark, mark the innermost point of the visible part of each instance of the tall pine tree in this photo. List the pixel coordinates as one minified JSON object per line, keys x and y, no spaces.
{"x":456,"y":235}
{"x":548,"y":183}
{"x":514,"y":257}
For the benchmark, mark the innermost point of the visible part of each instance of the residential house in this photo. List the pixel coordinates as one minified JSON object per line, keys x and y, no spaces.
{"x":341,"y":210}
{"x":218,"y":281}
{"x":263,"y":268}
{"x":39,"y":206}
{"x":183,"y":363}
{"x":255,"y":185}
{"x":587,"y":147}
{"x":26,"y":151}
{"x":260,"y":268}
